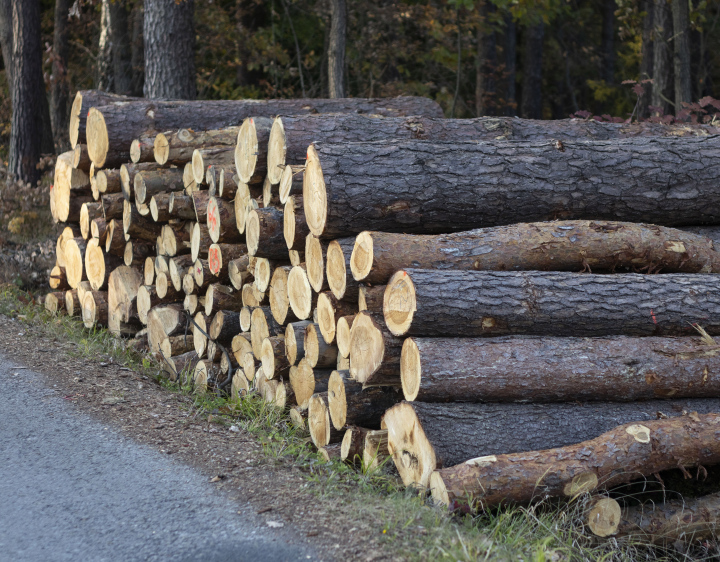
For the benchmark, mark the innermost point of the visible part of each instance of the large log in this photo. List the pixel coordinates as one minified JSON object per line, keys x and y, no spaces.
{"x":176,"y":147}
{"x":426,"y":436}
{"x":616,"y":457}
{"x":291,"y":135}
{"x":123,"y":285}
{"x":424,"y":187}
{"x":83,"y":101}
{"x":547,"y":369}
{"x":426,"y":302}
{"x":351,"y":404}
{"x":153,"y":182}
{"x":592,"y":246}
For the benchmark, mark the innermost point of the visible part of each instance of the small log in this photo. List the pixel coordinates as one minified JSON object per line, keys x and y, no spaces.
{"x":298,"y":416}
{"x":98,"y":265}
{"x":239,"y":387}
{"x":137,"y":251}
{"x":300,"y":293}
{"x":88,"y":213}
{"x":478,"y":303}
{"x":98,"y":229}
{"x":210,"y":155}
{"x":58,"y":279}
{"x":160,"y":207}
{"x":181,"y":367}
{"x":351,"y":404}
{"x":200,"y":241}
{"x":249,"y":366}
{"x":371,"y":298}
{"x":55,"y":303}
{"x":147,"y":298}
{"x":306,"y":381}
{"x":181,"y":207}
{"x":375,"y":449}
{"x":620,"y":455}
{"x":343,"y":363}
{"x":165,"y":321}
{"x":176,"y":147}
{"x":81,"y":159}
{"x":178,"y":267}
{"x":201,"y":275}
{"x":221,"y":222}
{"x":339,"y":278}
{"x":227,"y":184}
{"x":291,"y":182}
{"x":74,"y":252}
{"x":149,"y":270}
{"x":279,"y":301}
{"x":238,"y":272}
{"x":95,"y":309}
{"x":225,"y":326}
{"x":262,"y":325}
{"x":353,"y":445}
{"x":264,"y":233}
{"x":148,"y":183}
{"x":72,"y":303}
{"x":251,"y":142}
{"x":113,"y":206}
{"x":141,"y":148}
{"x":295,"y":340}
{"x":137,"y":226}
{"x":127,"y":177}
{"x":108,"y":182}
{"x":329,"y":311}
{"x":342,"y":336}
{"x":123,"y":285}
{"x":176,"y":345}
{"x":315,"y":263}
{"x":374,"y":352}
{"x":272,"y":356}
{"x":322,"y":432}
{"x":284,"y":395}
{"x":432,"y":436}
{"x":200,"y":333}
{"x":295,"y":229}
{"x":165,"y":288}
{"x":240,"y":346}
{"x":115,"y":239}
{"x":222,"y":297}
{"x":318,"y":352}
{"x":251,"y":296}
{"x":264,"y":269}
{"x":220,"y":256}
{"x":269,"y":198}
{"x":204,"y":372}
{"x":176,"y":238}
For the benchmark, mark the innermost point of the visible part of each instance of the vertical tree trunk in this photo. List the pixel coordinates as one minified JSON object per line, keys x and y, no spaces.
{"x":26,"y":135}
{"x":532,"y":71}
{"x":510,"y":55}
{"x":336,"y":50}
{"x":646,"y":63}
{"x":681,"y":48}
{"x":121,"y":48}
{"x":137,"y":52}
{"x":104,"y":76}
{"x":479,"y":70}
{"x":662,"y":29}
{"x":485,"y":65}
{"x":60,"y":88}
{"x":169,"y":36}
{"x":608,"y":41}
{"x":6,"y":42}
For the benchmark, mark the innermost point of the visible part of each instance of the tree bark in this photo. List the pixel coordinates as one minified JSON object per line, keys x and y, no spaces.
{"x":60,"y":86}
{"x":593,"y":246}
{"x":137,"y":50}
{"x":661,"y":56}
{"x":153,"y":182}
{"x":414,"y":186}
{"x":531,"y":106}
{"x":26,"y":134}
{"x":425,"y":436}
{"x":550,"y":369}
{"x":169,"y":45}
{"x":121,"y":48}
{"x":318,"y":352}
{"x":265,"y":234}
{"x":336,"y":49}
{"x":295,"y":341}
{"x":350,"y":403}
{"x":619,"y":456}
{"x":681,"y":53}
{"x":607,"y":46}
{"x":117,"y":125}
{"x":177,"y":147}
{"x":483,"y":303}
{"x":646,"y":63}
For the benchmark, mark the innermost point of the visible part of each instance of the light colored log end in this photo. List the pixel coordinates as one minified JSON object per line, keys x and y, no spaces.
{"x":399,"y":303}
{"x":412,"y":453}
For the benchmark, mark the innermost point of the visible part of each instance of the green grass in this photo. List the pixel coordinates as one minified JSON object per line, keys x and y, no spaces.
{"x":407,"y":523}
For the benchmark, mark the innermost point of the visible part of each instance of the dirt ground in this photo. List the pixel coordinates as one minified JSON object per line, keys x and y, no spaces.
{"x":231,"y":458}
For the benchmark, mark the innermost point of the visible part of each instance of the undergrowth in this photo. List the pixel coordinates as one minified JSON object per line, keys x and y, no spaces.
{"x":405,"y":521}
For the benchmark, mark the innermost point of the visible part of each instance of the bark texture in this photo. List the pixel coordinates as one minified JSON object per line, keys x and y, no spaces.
{"x":464,"y":303}
{"x":336,"y":49}
{"x":60,"y":86}
{"x":414,"y":186}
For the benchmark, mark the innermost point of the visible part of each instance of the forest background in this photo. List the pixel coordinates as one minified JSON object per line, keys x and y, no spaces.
{"x":542,"y":59}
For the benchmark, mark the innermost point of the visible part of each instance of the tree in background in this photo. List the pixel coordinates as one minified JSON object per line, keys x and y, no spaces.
{"x":169,"y":42}
{"x":336,"y":50}
{"x":681,"y":53}
{"x":59,"y":84}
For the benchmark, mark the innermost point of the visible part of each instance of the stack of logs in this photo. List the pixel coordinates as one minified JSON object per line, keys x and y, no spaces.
{"x":510,"y":309}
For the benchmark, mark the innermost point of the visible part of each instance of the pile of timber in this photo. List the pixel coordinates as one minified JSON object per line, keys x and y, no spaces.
{"x":507,"y":309}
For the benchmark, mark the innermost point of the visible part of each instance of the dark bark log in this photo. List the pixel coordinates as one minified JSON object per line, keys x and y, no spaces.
{"x":593,"y":246}
{"x":465,"y":303}
{"x":60,"y":86}
{"x":220,"y":256}
{"x":646,"y":63}
{"x":318,"y":352}
{"x":136,"y":251}
{"x":264,"y":233}
{"x":619,"y":456}
{"x":225,"y":326}
{"x":336,"y":49}
{"x":415,"y":186}
{"x":531,"y":105}
{"x":137,"y":226}
{"x":353,"y":444}
{"x":424,"y":436}
{"x":113,"y":206}
{"x":352,"y":404}
{"x":549,"y":369}
{"x":84,"y":100}
{"x":27,"y":129}
{"x":221,"y":297}
{"x":182,"y":207}
{"x":169,"y":43}
{"x":116,"y":126}
{"x":295,"y":341}
{"x":108,"y":181}
{"x":177,"y":147}
{"x":153,"y":182}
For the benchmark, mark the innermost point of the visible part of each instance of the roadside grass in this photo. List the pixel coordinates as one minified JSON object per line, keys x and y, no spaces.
{"x":405,"y":520}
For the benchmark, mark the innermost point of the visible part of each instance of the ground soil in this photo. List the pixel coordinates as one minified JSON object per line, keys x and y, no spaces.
{"x":233,"y":459}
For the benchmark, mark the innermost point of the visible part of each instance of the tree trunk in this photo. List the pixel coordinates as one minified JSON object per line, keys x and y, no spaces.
{"x":336,"y":49}
{"x":510,"y":64}
{"x":414,"y":186}
{"x":104,"y":69}
{"x":26,"y":134}
{"x":6,"y":40}
{"x":607,"y":46}
{"x":646,"y":63}
{"x":681,"y":53}
{"x":425,"y":437}
{"x":137,"y":51}
{"x":661,"y":56}
{"x":532,"y":71}
{"x":616,"y":457}
{"x":485,"y":303}
{"x":548,"y":369}
{"x":121,"y":47}
{"x":352,"y":404}
{"x":592,"y":246}
{"x":113,"y":127}
{"x":169,"y":44}
{"x":60,"y":86}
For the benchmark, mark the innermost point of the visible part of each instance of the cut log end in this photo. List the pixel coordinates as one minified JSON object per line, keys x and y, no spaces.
{"x":252,"y":232}
{"x":336,"y":270}
{"x":367,"y":347}
{"x":438,"y":490}
{"x":319,"y":421}
{"x":300,"y":293}
{"x":315,"y":262}
{"x":314,"y":194}
{"x":75,"y":118}
{"x":410,"y":369}
{"x":161,"y":149}
{"x":246,"y":150}
{"x":97,"y":137}
{"x":276,"y":152}
{"x":399,"y":303}
{"x":289,"y":223}
{"x":326,"y":317}
{"x":337,"y":403}
{"x":361,"y":260}
{"x":342,"y":335}
{"x":410,"y":448}
{"x":603,"y":518}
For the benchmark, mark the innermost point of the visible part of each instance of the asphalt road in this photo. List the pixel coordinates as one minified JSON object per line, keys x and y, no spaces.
{"x":72,"y":489}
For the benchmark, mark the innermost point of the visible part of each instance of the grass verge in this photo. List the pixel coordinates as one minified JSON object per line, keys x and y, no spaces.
{"x":410,"y":527}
